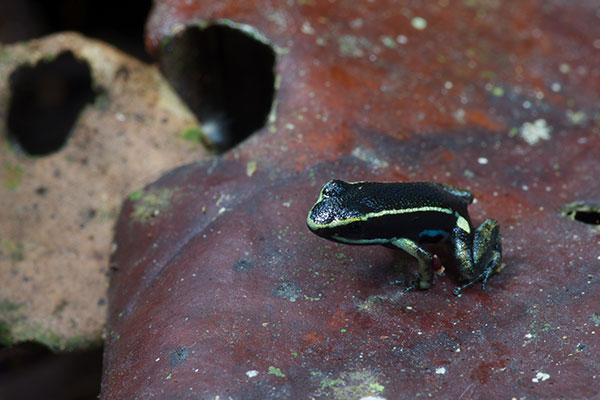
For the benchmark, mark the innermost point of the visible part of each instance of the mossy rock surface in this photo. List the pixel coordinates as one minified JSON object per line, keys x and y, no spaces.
{"x":58,"y":209}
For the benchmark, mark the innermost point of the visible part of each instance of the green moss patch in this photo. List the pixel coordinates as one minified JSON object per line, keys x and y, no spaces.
{"x":150,"y":203}
{"x":9,"y":316}
{"x":16,"y":327}
{"x":350,"y":385}
{"x":12,"y":250}
{"x":11,"y":175}
{"x":193,"y":134}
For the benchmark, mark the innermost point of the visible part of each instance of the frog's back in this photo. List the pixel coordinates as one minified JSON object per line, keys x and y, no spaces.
{"x":377,"y":197}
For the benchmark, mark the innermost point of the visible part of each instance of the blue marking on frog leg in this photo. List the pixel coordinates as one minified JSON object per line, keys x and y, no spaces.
{"x":425,"y":259}
{"x":433,"y":233}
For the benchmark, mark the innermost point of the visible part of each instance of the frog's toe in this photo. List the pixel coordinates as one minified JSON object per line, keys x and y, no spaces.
{"x":494,"y":266}
{"x":458,"y":290}
{"x":411,"y":287}
{"x":484,"y":275}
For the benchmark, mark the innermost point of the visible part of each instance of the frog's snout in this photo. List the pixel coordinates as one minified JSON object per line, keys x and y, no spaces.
{"x":320,"y":214}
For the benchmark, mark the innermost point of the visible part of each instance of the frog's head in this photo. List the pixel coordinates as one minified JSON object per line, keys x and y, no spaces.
{"x":331,"y":209}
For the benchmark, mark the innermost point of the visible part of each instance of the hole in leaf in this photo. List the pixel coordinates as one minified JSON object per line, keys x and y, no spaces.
{"x":226,"y":76}
{"x":586,"y":213}
{"x":46,"y":101}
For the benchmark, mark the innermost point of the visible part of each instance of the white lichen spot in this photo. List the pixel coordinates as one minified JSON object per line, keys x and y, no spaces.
{"x":307,"y":28}
{"x":356,"y":23}
{"x":533,"y":132}
{"x":120,"y":117}
{"x":250,"y":168}
{"x":440,"y":370}
{"x":388,"y":41}
{"x":555,"y":87}
{"x":576,"y":117}
{"x":482,"y":160}
{"x":419,"y":23}
{"x":353,"y":46}
{"x":252,"y":373}
{"x":279,"y":18}
{"x":401,"y":39}
{"x":368,"y":155}
{"x":540,"y":377}
{"x":497,"y":91}
{"x":459,"y":115}
{"x":564,"y":68}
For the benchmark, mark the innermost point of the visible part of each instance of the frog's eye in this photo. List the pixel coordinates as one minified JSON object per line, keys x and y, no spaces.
{"x":333,"y":188}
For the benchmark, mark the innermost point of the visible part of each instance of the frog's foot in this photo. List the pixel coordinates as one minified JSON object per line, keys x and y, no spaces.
{"x":426,"y":262}
{"x":479,"y":258}
{"x":490,"y":269}
{"x":412,"y":285}
{"x":484,"y":275}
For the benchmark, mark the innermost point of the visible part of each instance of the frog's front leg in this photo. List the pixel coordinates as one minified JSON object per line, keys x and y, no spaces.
{"x":425,"y":259}
{"x":478,"y":256}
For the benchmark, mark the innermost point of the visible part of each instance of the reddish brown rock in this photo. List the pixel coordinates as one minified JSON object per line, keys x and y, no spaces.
{"x":225,"y":293}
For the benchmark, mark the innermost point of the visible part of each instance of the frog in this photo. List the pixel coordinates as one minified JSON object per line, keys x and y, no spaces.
{"x":410,"y":216}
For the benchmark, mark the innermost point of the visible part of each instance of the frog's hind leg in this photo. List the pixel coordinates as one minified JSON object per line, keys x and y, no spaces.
{"x":480,"y":259}
{"x":487,"y":249}
{"x":425,"y":259}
